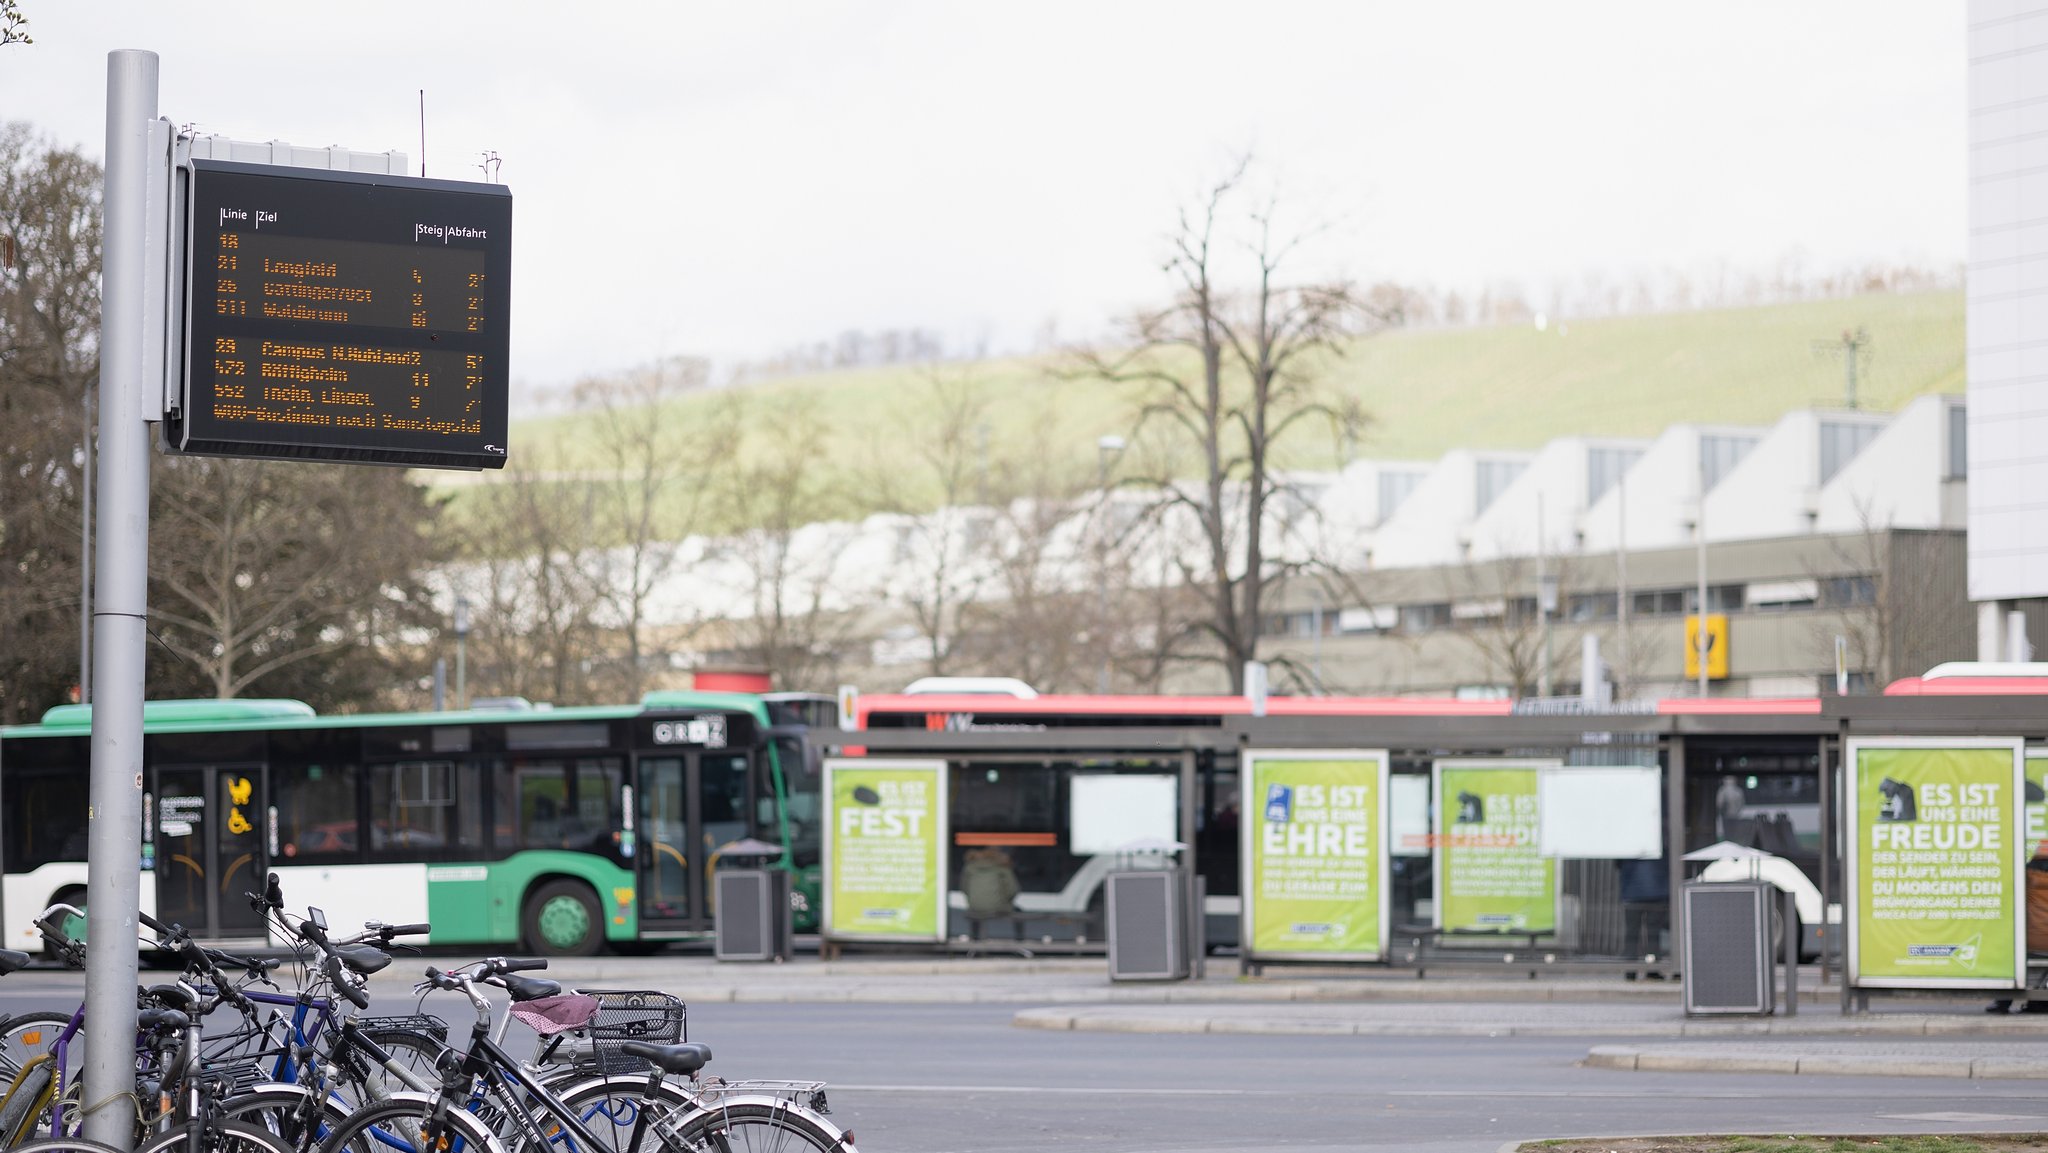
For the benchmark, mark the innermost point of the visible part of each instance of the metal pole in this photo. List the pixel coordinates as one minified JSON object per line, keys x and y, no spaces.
{"x":85,"y":559}
{"x":1827,"y":856}
{"x":1624,"y":683}
{"x":1106,"y":448}
{"x":461,"y":652}
{"x":1542,"y":603}
{"x":1699,"y":642}
{"x":1790,"y":915}
{"x":1674,"y":840}
{"x":114,"y":847}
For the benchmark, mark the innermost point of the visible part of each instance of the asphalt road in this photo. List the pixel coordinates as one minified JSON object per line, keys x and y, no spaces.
{"x":932,"y":1078}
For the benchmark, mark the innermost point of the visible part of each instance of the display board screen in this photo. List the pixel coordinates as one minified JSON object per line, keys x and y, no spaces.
{"x":343,"y":316}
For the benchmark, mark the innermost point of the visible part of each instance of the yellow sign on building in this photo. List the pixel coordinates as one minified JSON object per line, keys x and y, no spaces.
{"x":1716,"y":646}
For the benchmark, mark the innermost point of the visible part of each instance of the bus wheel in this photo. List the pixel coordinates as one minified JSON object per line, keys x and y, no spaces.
{"x":562,"y":919}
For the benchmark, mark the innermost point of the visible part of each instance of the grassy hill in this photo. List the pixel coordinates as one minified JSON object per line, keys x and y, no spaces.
{"x":1426,"y":390}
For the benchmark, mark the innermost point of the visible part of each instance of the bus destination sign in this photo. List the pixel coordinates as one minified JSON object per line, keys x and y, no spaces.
{"x":344,"y":316}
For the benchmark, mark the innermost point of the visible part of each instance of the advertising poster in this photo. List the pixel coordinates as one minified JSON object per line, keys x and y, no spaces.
{"x":1314,"y":847}
{"x":885,"y":850}
{"x":1490,"y":874}
{"x":2036,"y":793}
{"x":1936,"y":845}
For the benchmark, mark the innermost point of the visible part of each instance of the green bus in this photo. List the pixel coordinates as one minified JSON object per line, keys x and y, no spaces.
{"x":560,"y":831}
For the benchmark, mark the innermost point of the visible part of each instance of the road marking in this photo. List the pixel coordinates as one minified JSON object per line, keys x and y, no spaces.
{"x":1564,"y":1094}
{"x":1960,"y":1118}
{"x":837,"y":1086}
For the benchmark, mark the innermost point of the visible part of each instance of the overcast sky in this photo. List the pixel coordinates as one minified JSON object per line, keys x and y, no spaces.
{"x":731,"y":179}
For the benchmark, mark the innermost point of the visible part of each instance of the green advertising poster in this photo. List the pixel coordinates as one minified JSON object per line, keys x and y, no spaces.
{"x":2037,"y":802}
{"x":885,"y":849}
{"x":1937,"y":841}
{"x":1315,"y":855}
{"x":1490,"y":875}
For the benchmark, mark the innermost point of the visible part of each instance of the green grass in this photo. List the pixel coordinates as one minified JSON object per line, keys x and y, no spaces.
{"x":1426,"y":391}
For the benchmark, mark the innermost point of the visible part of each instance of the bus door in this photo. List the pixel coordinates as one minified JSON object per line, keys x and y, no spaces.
{"x":211,"y":825}
{"x":687,"y":805}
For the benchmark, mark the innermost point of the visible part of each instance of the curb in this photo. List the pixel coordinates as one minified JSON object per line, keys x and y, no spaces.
{"x":1827,"y":1064}
{"x":1095,"y":1019}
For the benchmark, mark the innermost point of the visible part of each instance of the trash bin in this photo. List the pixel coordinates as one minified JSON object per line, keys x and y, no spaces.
{"x":1727,"y":956}
{"x":751,"y":921}
{"x":1147,"y":925}
{"x":750,"y":914}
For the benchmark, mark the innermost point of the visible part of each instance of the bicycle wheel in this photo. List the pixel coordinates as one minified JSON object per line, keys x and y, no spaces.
{"x":399,"y":1126}
{"x":217,"y":1136}
{"x":294,"y":1114}
{"x":63,"y":1145}
{"x":611,"y":1108}
{"x":24,"y":1035}
{"x":758,"y":1125}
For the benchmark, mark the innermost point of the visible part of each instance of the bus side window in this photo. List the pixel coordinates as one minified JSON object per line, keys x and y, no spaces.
{"x":317,"y":819}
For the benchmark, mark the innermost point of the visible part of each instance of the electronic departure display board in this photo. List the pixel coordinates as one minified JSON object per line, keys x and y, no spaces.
{"x":345,"y":316}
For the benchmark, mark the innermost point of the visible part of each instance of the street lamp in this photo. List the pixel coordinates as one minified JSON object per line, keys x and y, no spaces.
{"x":1546,"y":607}
{"x":1107,"y":450}
{"x":461,"y":652}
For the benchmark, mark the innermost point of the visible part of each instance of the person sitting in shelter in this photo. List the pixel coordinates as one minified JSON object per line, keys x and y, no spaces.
{"x":2037,"y":928}
{"x":989,"y":882}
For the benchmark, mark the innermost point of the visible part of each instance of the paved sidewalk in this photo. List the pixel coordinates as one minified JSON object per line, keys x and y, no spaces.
{"x":1494,"y":1019}
{"x":1039,"y":981}
{"x":2004,"y":1060}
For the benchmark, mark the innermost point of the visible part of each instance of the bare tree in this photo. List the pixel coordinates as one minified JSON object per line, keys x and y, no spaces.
{"x":259,"y":568}
{"x":13,"y":25}
{"x":532,"y":570}
{"x":945,"y":528}
{"x":1495,"y":610}
{"x":1228,"y":374}
{"x":789,"y":546}
{"x":1890,"y":595}
{"x":1052,"y":609}
{"x":49,"y":362}
{"x":653,"y":486}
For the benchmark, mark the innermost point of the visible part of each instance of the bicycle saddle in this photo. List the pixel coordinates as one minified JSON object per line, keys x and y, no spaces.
{"x":530,"y":988}
{"x":687,"y":1057}
{"x":363,"y":959}
{"x":150,"y":1020}
{"x":173,"y":997}
{"x":12,"y":959}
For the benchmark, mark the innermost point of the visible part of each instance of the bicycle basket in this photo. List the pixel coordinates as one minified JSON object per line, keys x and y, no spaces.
{"x":634,"y":1015}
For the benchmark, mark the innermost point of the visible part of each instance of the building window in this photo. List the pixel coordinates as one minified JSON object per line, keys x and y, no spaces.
{"x":1490,"y":479}
{"x":1782,"y":596}
{"x":1604,"y":467}
{"x":1425,"y":618}
{"x":1719,"y":455}
{"x":1592,"y":606}
{"x":1958,"y":442}
{"x":1359,"y":621}
{"x":1840,"y":441}
{"x":1720,"y":598}
{"x":1658,"y":603}
{"x":1846,"y":592}
{"x":1396,"y":487}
